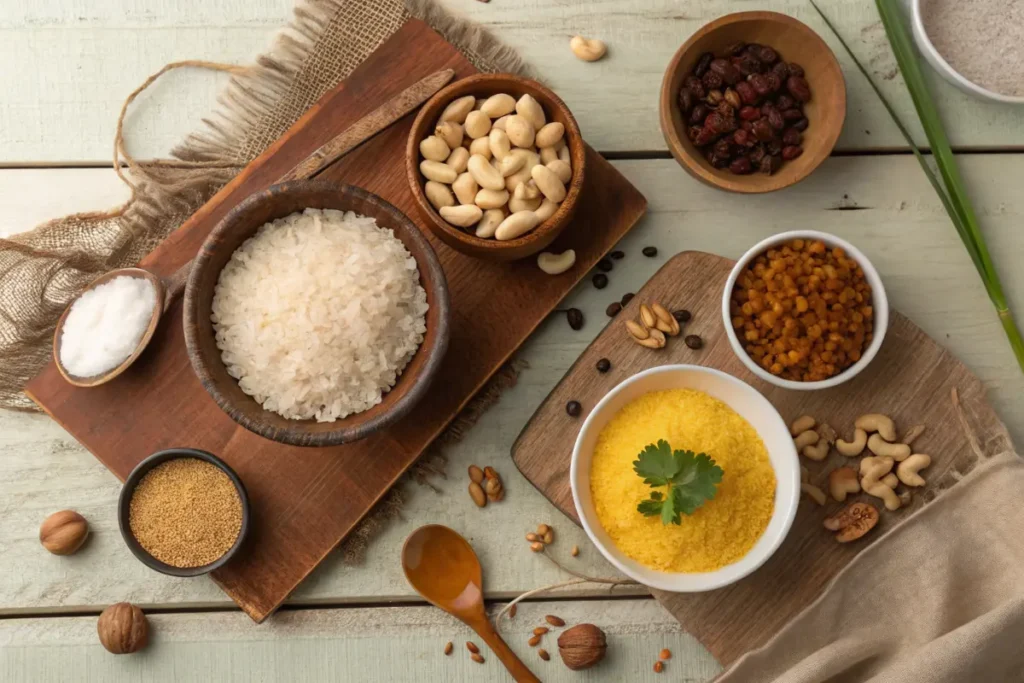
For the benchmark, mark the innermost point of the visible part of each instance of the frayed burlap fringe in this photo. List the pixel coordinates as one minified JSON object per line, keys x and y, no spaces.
{"x":42,"y":270}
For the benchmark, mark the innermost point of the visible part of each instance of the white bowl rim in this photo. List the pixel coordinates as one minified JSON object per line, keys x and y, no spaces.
{"x":945,"y":69}
{"x":723,"y":576}
{"x":879,"y":300}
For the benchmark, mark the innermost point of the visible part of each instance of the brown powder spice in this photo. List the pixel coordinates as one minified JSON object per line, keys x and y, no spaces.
{"x":185,"y":512}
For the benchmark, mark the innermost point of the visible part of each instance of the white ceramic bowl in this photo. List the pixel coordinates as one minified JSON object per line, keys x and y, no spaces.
{"x":879,"y":301}
{"x":750,"y":405}
{"x":938,"y":62}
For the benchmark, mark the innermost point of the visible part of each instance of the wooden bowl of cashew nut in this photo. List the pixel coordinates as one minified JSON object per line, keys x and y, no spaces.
{"x":496,"y":164}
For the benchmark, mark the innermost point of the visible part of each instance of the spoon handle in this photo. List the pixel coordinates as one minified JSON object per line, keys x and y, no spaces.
{"x":515,"y":666}
{"x":175,"y":284}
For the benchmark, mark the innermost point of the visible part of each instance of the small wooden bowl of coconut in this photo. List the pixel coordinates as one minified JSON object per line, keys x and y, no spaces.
{"x":316,"y":314}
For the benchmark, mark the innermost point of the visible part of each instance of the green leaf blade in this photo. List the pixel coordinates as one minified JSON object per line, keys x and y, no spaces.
{"x":656,"y":464}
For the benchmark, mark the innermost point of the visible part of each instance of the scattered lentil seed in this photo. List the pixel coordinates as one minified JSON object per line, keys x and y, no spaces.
{"x":477,"y":658}
{"x":694,"y":341}
{"x":543,"y":654}
{"x":650,"y":252}
{"x":613,"y":309}
{"x":600,"y":280}
{"x":575,"y":318}
{"x":605,"y":265}
{"x":617,"y":254}
{"x":471,"y":646}
{"x":448,"y":647}
{"x":533,"y":641}
{"x":626,"y":298}
{"x":603,"y":365}
{"x":658,"y":667}
{"x":665,"y":654}
{"x":540,"y":630}
{"x":554,"y":621}
{"x":185,"y":512}
{"x":682,"y":315}
{"x":575,"y":551}
{"x":573,"y":408}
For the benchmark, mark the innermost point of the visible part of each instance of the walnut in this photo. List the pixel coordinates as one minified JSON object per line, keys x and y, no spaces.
{"x":123,"y":629}
{"x":64,"y":532}
{"x":582,"y":646}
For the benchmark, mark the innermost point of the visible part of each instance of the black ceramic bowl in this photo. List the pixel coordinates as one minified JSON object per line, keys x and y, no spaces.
{"x":124,"y":503}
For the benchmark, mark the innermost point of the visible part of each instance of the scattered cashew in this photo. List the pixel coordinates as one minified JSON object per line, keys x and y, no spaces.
{"x":587,"y":49}
{"x":457,"y":110}
{"x":802,"y":424}
{"x":882,"y":465}
{"x":498,"y":105}
{"x":816,"y":494}
{"x":852,"y":449}
{"x":912,"y":434}
{"x":843,"y":481}
{"x":891,"y":480}
{"x":556,"y":264}
{"x":876,"y":422}
{"x":438,"y":194}
{"x":888,"y":496}
{"x":879,"y":446}
{"x":530,"y":109}
{"x":434,"y":148}
{"x":908,"y":469}
{"x":459,"y":159}
{"x":450,"y":132}
{"x":464,"y":215}
{"x":489,"y":223}
{"x":437,"y":171}
{"x":873,"y":471}
{"x":519,"y":223}
{"x":808,"y":438}
{"x":818,"y":451}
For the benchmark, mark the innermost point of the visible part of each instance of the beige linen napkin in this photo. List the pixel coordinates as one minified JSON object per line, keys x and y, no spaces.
{"x":939,"y":599}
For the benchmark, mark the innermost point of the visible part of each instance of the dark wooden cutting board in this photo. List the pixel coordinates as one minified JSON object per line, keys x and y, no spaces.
{"x":911,"y":380}
{"x":304,"y":500}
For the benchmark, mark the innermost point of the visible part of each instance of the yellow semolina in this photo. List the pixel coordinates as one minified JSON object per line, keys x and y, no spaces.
{"x":722,"y":530}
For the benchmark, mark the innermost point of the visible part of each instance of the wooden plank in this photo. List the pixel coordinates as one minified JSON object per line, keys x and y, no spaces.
{"x":909,"y":380}
{"x":301,"y":512}
{"x":63,"y":107}
{"x":901,"y":226}
{"x":398,"y":644}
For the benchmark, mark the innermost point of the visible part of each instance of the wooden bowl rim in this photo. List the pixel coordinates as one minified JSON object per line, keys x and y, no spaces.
{"x":103,"y":378}
{"x":295,"y":434}
{"x":124,"y":508}
{"x":574,"y":140}
{"x":734,"y":183}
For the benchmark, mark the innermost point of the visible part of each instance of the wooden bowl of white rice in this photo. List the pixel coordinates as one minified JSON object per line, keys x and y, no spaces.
{"x":316,"y":314}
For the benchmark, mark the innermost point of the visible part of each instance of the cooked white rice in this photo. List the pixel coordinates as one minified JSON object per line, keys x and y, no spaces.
{"x":318,"y":313}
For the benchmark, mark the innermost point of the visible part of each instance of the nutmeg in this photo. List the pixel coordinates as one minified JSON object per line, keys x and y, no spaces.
{"x":123,"y":629}
{"x":582,"y":646}
{"x":64,"y":532}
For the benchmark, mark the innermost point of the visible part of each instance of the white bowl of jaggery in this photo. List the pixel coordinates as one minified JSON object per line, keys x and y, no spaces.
{"x":805,"y":310}
{"x":715,"y":416}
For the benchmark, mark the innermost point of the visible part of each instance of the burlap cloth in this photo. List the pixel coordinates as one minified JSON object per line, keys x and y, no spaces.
{"x":43,"y":269}
{"x":938,"y":599}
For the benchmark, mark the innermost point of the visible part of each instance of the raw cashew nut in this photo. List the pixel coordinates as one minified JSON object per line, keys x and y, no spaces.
{"x":500,"y":144}
{"x":477,"y":125}
{"x":891,"y":480}
{"x":465,"y":188}
{"x":517,"y":204}
{"x":556,"y":264}
{"x":565,"y":156}
{"x":464,"y":215}
{"x":802,"y":424}
{"x":435,"y":170}
{"x":434,"y":147}
{"x":560,"y":169}
{"x":491,"y":199}
{"x":808,"y":438}
{"x":818,"y":450}
{"x":880,"y":466}
{"x":520,"y":131}
{"x":853,"y":448}
{"x":484,"y":174}
{"x":527,"y":190}
{"x":876,"y":422}
{"x":587,"y":49}
{"x":481,"y":146}
{"x":843,"y":481}
{"x":510,"y":164}
{"x":500,"y":122}
{"x":489,"y":223}
{"x":873,"y":471}
{"x":530,"y":109}
{"x":546,"y":210}
{"x":498,"y":105}
{"x":450,"y":132}
{"x":548,"y":182}
{"x":888,"y":496}
{"x":438,"y":194}
{"x":879,"y":446}
{"x":457,"y":110}
{"x":816,"y":494}
{"x":519,"y":223}
{"x":458,"y":159}
{"x":523,"y":174}
{"x":909,"y":468}
{"x":550,"y":134}
{"x":548,"y":154}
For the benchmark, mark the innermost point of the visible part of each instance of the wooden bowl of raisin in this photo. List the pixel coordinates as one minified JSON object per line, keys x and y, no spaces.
{"x":753,"y":102}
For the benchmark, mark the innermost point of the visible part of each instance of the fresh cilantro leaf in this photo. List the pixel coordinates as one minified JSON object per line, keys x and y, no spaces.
{"x":656,"y":464}
{"x":692,"y":479}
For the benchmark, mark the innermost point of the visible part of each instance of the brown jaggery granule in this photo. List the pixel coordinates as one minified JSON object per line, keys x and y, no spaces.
{"x":185,"y":512}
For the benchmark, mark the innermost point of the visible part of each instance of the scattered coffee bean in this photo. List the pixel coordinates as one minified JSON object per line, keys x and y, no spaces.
{"x":605,"y":265}
{"x":573,"y":408}
{"x":575,"y":318}
{"x":626,"y":298}
{"x":682,"y":315}
{"x":600,"y":280}
{"x":613,"y":309}
{"x":693,"y":341}
{"x":650,"y":252}
{"x":617,"y":255}
{"x":604,"y":365}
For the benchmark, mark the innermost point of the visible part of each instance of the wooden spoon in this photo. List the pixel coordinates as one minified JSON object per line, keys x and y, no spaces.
{"x":166,"y":291}
{"x":441,"y":566}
